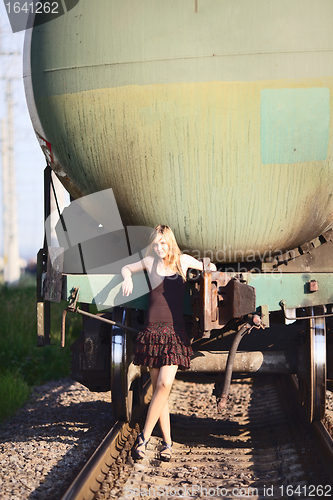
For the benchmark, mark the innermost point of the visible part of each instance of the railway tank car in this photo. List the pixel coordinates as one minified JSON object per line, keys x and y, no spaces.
{"x":213,"y":117}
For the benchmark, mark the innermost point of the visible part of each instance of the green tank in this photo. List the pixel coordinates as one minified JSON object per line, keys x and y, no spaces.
{"x":211,"y":116}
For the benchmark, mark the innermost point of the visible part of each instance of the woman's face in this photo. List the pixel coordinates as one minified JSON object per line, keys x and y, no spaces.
{"x":161,"y":247}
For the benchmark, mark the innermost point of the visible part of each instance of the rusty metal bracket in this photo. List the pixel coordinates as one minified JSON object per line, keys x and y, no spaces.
{"x":43,"y":306}
{"x":220,"y":299}
{"x":316,"y":256}
{"x":211,"y":300}
{"x":283,"y":307}
{"x":73,"y":298}
{"x":52,"y":283}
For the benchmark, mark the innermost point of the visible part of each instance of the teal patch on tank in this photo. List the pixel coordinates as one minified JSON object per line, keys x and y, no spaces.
{"x":294,"y":125}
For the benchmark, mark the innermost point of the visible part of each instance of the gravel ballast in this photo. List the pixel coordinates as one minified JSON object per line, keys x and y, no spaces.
{"x":53,"y":435}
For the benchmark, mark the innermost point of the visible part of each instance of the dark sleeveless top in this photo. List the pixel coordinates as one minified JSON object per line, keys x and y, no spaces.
{"x":163,"y":340}
{"x":166,"y":298}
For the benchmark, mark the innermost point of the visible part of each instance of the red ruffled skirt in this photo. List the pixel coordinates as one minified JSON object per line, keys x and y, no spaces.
{"x":161,"y":344}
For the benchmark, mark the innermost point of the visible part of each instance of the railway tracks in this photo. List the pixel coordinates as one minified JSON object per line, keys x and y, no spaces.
{"x":258,"y":448}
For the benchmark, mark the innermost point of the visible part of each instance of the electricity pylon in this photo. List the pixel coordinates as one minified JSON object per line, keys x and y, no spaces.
{"x":10,"y":233}
{"x":10,"y":236}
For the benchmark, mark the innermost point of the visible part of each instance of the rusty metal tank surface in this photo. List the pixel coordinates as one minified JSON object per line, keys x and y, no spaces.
{"x":212,"y":116}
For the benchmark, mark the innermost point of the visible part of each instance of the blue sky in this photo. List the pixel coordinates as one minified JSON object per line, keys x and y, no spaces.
{"x":29,"y":159}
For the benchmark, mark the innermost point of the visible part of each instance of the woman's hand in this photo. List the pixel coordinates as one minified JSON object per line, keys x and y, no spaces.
{"x":127,"y":286}
{"x":188,"y":261}
{"x":129,"y":269}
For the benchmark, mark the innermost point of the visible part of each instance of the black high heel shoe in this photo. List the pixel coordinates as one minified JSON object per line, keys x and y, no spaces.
{"x":164,"y":455}
{"x":141,"y":441}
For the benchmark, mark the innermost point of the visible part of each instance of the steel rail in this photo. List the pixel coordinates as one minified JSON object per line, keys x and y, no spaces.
{"x":88,"y":481}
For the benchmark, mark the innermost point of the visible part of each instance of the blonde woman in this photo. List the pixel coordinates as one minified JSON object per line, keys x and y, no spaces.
{"x":163,"y":345}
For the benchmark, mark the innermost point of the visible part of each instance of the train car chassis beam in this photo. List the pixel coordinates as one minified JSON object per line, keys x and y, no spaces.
{"x":273,"y":362}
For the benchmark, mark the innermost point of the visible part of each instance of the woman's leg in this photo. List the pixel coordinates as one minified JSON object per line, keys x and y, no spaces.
{"x":164,"y":419}
{"x":158,"y":408}
{"x":154,"y":373}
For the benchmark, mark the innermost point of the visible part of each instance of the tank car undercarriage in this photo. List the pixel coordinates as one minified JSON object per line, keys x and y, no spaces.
{"x":272,"y":316}
{"x":281,"y":335}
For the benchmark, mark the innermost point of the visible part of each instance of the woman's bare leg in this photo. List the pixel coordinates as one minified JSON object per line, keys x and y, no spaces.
{"x":165,"y":423}
{"x":154,"y":373}
{"x":164,"y":419}
{"x":158,"y":408}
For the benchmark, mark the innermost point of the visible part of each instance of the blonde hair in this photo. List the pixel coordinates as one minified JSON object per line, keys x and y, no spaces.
{"x":172,"y":259}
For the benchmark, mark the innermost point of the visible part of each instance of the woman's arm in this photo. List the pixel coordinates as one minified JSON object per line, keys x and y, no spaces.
{"x":190,"y":262}
{"x":128,"y":270}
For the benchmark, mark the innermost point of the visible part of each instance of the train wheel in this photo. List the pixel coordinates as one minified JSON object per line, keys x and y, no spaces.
{"x":312,"y":385}
{"x":121,"y":394}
